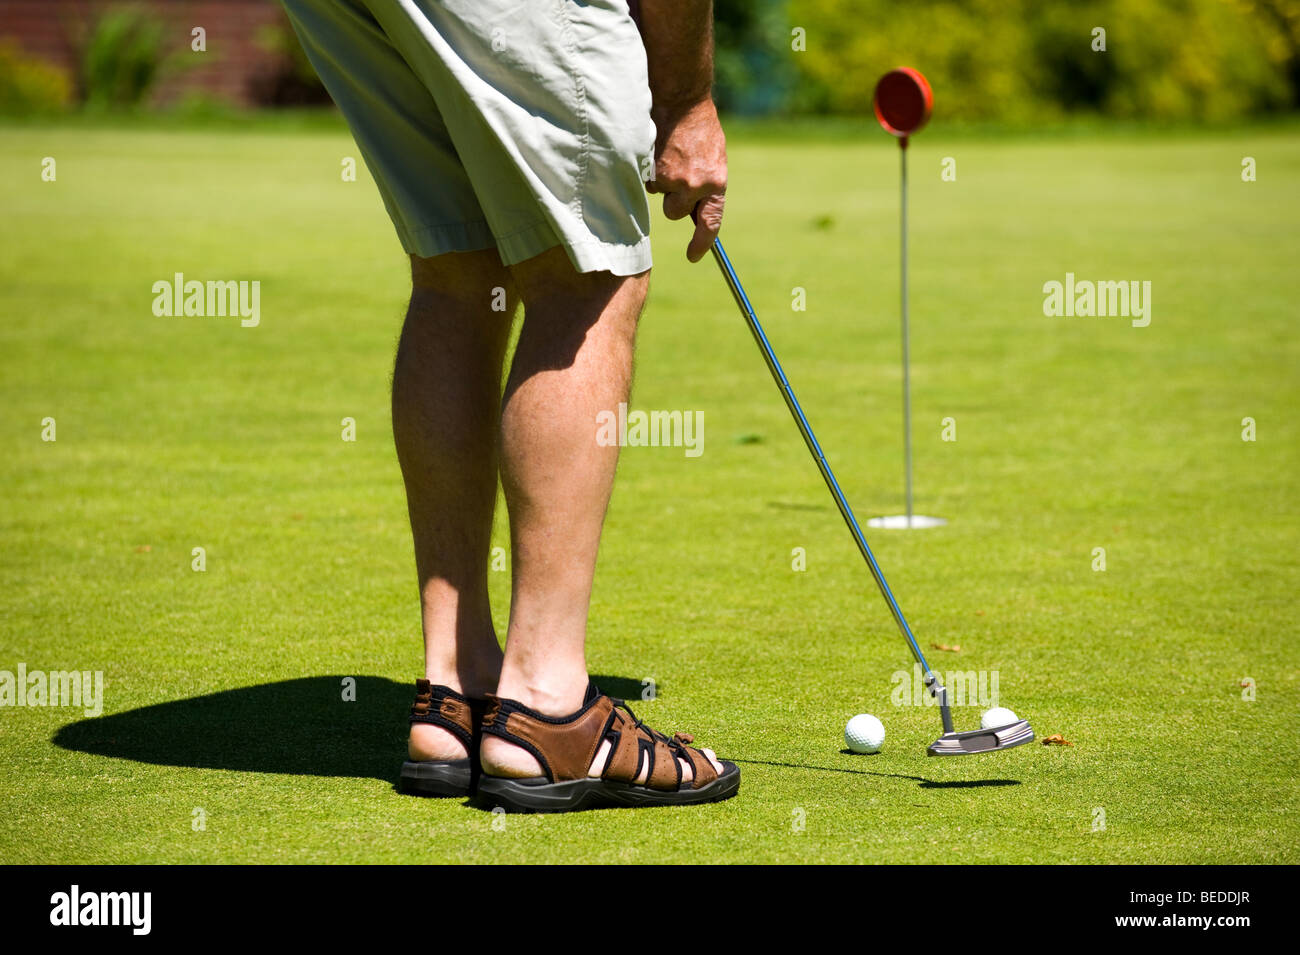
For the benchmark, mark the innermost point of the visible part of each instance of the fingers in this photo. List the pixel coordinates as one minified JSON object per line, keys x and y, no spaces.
{"x":678,"y":203}
{"x":691,"y":170}
{"x":708,"y":222}
{"x":707,"y":213}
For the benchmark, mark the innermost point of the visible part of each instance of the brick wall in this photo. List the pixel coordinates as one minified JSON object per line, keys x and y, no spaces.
{"x":234,"y":67}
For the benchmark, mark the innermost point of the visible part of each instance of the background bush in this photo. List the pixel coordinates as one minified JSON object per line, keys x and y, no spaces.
{"x":1016,"y":60}
{"x":1006,"y":61}
{"x":121,"y":58}
{"x":30,"y":85}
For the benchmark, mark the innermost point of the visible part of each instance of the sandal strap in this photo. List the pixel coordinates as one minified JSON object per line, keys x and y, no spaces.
{"x":704,"y":773}
{"x":442,"y":706}
{"x":564,"y":745}
{"x":676,"y":747}
{"x":636,"y":746}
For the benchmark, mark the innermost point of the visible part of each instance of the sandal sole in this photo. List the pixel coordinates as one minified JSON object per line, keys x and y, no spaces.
{"x":536,"y":794}
{"x":447,"y":778}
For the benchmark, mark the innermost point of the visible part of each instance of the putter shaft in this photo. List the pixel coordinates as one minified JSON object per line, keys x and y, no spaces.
{"x":742,"y":300}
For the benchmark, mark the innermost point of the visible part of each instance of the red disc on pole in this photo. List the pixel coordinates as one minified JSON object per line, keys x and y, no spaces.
{"x":903,"y":101}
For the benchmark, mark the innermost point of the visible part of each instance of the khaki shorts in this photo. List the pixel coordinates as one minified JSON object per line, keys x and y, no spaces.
{"x":510,"y":124}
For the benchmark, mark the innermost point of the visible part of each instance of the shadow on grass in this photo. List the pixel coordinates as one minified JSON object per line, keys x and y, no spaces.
{"x":297,"y":727}
{"x":922,"y":782}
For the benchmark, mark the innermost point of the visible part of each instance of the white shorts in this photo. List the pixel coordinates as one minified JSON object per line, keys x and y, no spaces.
{"x":510,"y":124}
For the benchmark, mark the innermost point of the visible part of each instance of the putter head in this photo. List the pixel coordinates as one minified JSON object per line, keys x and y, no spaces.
{"x":982,"y":741}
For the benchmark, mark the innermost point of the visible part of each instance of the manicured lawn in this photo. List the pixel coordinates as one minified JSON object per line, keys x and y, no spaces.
{"x":223,"y":689}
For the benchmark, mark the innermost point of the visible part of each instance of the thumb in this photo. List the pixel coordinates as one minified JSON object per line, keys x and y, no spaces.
{"x":708,"y":222}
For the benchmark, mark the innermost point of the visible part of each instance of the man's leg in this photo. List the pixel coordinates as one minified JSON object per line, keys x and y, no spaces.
{"x":446,"y":404}
{"x":573,"y":360}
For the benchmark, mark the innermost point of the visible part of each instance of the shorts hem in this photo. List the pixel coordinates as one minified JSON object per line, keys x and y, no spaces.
{"x":428,"y":241}
{"x":596,"y":256}
{"x":587,"y":255}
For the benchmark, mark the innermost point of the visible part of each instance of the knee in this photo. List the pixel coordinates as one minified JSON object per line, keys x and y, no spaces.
{"x":550,"y":279}
{"x":565,"y":301}
{"x":468,"y":280}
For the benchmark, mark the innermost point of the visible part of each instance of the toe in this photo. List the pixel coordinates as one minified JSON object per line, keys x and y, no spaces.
{"x":688,"y":771}
{"x":717,"y":766}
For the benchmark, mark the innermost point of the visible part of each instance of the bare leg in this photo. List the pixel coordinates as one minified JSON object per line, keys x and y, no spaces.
{"x":573,"y":360}
{"x":446,"y":403}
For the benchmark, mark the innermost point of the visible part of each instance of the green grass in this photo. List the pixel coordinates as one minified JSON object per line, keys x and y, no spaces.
{"x":223,"y":687}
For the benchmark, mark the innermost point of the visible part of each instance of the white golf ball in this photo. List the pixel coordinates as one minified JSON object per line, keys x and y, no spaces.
{"x":864,"y":734}
{"x":998,"y":716}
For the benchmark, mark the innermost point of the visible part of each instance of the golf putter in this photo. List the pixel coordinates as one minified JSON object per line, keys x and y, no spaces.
{"x":951,"y":743}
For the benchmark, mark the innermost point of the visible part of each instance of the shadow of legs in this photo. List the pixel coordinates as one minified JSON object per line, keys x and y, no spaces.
{"x":297,"y":727}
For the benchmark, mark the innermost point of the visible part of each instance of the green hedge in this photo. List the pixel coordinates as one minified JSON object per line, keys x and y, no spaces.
{"x":1016,"y":60}
{"x":29,"y":85}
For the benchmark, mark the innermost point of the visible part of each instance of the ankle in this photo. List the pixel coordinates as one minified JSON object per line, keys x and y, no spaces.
{"x":475,"y":681}
{"x":550,"y":697}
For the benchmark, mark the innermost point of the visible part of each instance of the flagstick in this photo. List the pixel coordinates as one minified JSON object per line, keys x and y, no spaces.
{"x":907,"y":381}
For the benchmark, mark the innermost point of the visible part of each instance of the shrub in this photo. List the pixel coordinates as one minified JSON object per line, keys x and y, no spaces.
{"x":1022,"y":60}
{"x":29,"y":85}
{"x":121,"y":59}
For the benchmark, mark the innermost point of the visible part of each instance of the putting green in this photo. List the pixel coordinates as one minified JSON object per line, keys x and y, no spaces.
{"x":225,"y":735}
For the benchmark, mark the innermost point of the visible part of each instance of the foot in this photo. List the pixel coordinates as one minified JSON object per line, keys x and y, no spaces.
{"x":444,"y":732}
{"x":634,"y":766}
{"x":427,"y":742}
{"x":502,"y":758}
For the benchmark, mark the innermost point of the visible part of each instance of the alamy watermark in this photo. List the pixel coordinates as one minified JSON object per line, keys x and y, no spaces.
{"x":83,"y":688}
{"x":651,"y":429}
{"x":75,"y":907}
{"x":1086,"y":299}
{"x":212,"y":299}
{"x":965,"y":687}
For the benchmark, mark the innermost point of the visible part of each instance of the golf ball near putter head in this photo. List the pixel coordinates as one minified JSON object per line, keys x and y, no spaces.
{"x":997,"y":716}
{"x":864,"y":734}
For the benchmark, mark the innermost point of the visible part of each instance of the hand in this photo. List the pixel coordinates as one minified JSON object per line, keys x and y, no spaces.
{"x":691,"y":171}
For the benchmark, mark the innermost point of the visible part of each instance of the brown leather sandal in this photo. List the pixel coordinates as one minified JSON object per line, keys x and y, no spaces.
{"x":459,"y":715}
{"x":566,"y":747}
